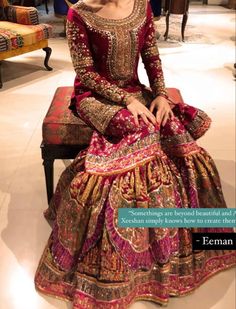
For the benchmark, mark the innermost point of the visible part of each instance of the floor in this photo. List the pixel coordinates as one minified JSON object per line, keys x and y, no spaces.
{"x":203,"y":72}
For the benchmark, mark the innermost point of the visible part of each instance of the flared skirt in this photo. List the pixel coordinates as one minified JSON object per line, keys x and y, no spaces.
{"x":92,"y":261}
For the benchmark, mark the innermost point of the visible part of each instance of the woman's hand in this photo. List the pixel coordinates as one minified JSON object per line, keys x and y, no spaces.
{"x":138,"y":109}
{"x":164,"y":111}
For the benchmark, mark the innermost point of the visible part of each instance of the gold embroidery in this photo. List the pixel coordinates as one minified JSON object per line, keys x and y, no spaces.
{"x":137,"y":284}
{"x":151,"y":59}
{"x":123,"y":48}
{"x":178,"y":139}
{"x":89,"y":107}
{"x":200,"y":124}
{"x":83,"y":64}
{"x":145,"y":142}
{"x":98,"y":113}
{"x":122,"y":37}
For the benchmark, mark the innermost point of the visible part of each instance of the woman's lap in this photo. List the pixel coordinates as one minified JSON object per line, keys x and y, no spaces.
{"x":122,"y":124}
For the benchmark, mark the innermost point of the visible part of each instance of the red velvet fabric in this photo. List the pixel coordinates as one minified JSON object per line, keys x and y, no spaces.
{"x":90,"y":49}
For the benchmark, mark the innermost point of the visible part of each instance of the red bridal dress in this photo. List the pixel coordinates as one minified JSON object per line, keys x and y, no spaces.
{"x":89,"y":259}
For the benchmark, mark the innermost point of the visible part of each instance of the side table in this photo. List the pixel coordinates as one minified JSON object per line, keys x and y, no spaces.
{"x":178,"y":7}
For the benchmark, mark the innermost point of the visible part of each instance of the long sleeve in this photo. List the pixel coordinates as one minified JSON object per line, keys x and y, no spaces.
{"x":83,"y":61}
{"x":151,"y":58}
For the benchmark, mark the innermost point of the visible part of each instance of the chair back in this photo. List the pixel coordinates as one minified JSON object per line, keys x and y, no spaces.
{"x":4,"y":3}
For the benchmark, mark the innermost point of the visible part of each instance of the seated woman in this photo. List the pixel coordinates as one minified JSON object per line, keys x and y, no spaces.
{"x":143,"y":153}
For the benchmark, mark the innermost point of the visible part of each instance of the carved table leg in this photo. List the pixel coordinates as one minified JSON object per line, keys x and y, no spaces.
{"x":0,"y":74}
{"x":184,"y":22}
{"x":63,"y":34}
{"x":46,"y":6}
{"x":167,"y":25}
{"x":48,"y":51}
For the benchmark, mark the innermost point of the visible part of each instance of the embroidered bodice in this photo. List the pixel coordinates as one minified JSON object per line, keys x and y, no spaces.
{"x":105,"y":53}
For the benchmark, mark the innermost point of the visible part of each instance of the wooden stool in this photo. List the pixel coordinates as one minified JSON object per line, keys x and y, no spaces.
{"x":64,"y":134}
{"x":179,"y":7}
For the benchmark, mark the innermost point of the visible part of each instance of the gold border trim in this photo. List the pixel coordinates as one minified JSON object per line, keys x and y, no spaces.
{"x":155,"y":299}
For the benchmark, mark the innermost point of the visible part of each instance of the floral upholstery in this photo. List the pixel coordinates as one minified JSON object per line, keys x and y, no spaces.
{"x":22,"y":15}
{"x":13,"y":36}
{"x":19,"y":27}
{"x":60,"y":126}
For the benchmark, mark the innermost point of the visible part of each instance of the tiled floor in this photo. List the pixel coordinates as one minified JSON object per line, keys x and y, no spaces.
{"x":203,"y":72}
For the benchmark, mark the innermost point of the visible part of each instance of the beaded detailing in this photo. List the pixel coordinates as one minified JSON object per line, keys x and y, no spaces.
{"x":122,"y":36}
{"x":199,"y":125}
{"x":151,"y":59}
{"x":89,"y":108}
{"x":83,"y":64}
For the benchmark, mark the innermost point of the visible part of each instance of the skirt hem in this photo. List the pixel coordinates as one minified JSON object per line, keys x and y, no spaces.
{"x":153,"y":298}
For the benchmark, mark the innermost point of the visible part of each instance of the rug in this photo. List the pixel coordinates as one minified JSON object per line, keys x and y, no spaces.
{"x":193,"y":34}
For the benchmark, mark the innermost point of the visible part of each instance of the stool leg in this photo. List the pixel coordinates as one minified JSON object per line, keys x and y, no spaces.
{"x":184,"y":22}
{"x":63,"y":34}
{"x":46,"y":6}
{"x":0,"y":74}
{"x":48,"y":51}
{"x":48,"y":170}
{"x":167,"y":25}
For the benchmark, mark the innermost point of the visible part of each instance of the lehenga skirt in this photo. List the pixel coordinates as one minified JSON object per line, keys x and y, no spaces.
{"x":92,"y":261}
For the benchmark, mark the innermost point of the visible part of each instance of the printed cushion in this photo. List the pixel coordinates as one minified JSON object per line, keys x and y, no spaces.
{"x":13,"y":35}
{"x":60,"y":126}
{"x":22,"y":15}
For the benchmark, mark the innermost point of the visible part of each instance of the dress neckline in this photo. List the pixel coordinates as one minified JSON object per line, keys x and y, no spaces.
{"x":119,"y":19}
{"x":112,"y":20}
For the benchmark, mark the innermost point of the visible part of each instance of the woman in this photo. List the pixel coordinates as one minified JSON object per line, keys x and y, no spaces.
{"x":142,"y":153}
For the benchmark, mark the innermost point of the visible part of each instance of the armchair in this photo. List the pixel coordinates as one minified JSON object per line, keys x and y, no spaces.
{"x":21,"y":32}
